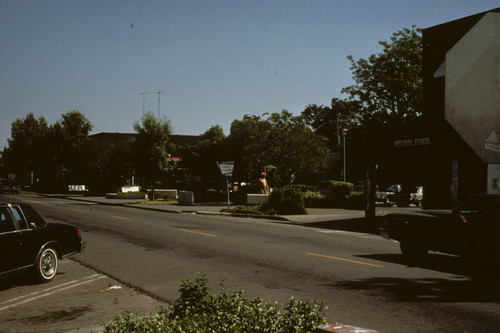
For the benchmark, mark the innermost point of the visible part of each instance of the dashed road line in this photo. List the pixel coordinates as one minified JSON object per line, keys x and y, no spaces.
{"x":197,"y":232}
{"x":121,"y":218}
{"x":343,"y":259}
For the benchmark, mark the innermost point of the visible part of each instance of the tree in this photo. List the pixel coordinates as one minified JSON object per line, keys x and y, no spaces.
{"x":210,"y":149}
{"x":48,"y":155}
{"x":329,"y":121}
{"x":152,"y":147}
{"x":279,"y":139}
{"x":296,"y":151}
{"x":26,"y":152}
{"x":73,"y":131}
{"x":389,"y":85}
{"x":108,"y":164}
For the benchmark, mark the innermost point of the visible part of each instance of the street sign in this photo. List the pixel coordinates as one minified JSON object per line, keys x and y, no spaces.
{"x":226,"y":168}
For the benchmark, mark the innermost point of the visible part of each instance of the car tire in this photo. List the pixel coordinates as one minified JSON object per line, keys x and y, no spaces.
{"x":46,"y":265}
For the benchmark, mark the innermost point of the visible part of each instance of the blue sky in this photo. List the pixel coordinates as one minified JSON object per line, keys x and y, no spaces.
{"x":213,"y":61}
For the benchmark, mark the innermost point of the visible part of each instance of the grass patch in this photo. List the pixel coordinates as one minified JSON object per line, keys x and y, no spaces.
{"x":159,"y":202}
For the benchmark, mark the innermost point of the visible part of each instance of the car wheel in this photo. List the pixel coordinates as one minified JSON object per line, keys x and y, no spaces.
{"x":46,"y":265}
{"x":412,"y":250}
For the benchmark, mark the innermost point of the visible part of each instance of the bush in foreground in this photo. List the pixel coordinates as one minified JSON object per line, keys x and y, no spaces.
{"x":199,"y":311}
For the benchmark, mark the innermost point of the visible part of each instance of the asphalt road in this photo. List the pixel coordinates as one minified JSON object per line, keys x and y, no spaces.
{"x":360,"y":276}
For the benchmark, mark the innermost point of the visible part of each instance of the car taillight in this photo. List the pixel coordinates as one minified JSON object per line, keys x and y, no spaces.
{"x":78,"y":233}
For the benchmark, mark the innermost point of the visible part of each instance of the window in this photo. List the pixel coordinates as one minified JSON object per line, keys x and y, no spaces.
{"x":6,"y":223}
{"x":19,"y":217}
{"x":33,"y":219}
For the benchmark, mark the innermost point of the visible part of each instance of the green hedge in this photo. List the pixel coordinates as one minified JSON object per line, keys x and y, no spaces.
{"x":287,"y":201}
{"x":199,"y":311}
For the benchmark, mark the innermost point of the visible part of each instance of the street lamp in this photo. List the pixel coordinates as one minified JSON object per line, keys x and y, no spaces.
{"x":344,"y":134}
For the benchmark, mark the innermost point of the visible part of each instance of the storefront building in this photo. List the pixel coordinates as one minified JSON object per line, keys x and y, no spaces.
{"x":461,"y":63}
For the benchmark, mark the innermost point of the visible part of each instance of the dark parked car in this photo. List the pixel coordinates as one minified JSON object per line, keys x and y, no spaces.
{"x":9,"y":185}
{"x":27,"y":242}
{"x":470,"y":230}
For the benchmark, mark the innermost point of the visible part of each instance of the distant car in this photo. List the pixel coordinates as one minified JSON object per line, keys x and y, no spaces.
{"x":384,"y":197}
{"x":9,"y":185}
{"x":27,"y":242}
{"x":412,"y":195}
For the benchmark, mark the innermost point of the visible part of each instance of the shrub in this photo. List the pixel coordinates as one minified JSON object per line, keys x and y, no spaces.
{"x":287,"y":201}
{"x":341,"y":190}
{"x":251,"y":210}
{"x":304,"y":188}
{"x":199,"y":311}
{"x":314,"y":199}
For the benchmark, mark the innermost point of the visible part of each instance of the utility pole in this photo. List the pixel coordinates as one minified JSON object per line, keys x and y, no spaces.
{"x":151,"y":92}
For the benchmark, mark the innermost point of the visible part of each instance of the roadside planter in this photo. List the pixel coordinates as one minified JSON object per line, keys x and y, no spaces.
{"x":164,"y":194}
{"x":186,"y":198}
{"x":257,"y":199}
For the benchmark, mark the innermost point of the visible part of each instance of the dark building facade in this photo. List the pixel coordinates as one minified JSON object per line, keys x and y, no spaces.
{"x":461,"y":64}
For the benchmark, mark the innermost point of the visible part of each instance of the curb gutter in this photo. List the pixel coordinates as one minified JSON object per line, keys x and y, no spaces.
{"x":339,"y":328}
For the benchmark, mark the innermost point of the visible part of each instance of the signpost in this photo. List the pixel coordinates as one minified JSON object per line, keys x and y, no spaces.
{"x":226,"y":170}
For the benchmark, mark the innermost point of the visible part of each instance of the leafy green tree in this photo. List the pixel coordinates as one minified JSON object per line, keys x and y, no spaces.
{"x":109,"y":164}
{"x":152,"y":147}
{"x":74,"y":131}
{"x":211,"y":149}
{"x":389,"y":85}
{"x":27,"y":150}
{"x":387,"y":93}
{"x":329,"y":121}
{"x":48,"y":155}
{"x":279,"y":139}
{"x":248,"y":140}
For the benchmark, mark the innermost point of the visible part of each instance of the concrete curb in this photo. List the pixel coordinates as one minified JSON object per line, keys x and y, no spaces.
{"x":199,"y":212}
{"x":339,"y":328}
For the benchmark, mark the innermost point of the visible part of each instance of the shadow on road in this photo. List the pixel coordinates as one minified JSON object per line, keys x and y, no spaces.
{"x":349,"y":224}
{"x":429,"y":289}
{"x":473,"y":281}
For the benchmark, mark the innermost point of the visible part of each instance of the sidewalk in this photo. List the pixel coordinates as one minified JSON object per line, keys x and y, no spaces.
{"x":330,"y":218}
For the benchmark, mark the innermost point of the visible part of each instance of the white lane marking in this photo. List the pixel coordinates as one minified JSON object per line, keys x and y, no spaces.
{"x":49,"y":291}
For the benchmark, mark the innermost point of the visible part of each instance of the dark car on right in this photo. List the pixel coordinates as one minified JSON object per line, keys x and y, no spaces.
{"x":470,"y":230}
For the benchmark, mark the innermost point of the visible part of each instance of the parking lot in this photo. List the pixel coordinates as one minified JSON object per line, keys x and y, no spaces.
{"x":79,"y":299}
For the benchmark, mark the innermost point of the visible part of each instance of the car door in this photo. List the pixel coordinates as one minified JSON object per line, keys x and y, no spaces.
{"x":10,"y":242}
{"x":31,"y":235}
